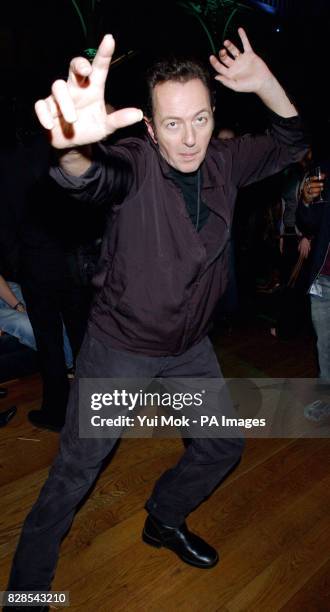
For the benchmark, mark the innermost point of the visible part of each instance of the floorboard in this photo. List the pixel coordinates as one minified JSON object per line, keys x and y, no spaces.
{"x":269,"y":519}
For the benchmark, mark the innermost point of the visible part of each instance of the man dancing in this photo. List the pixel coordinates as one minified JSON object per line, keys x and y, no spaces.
{"x":164,"y":269}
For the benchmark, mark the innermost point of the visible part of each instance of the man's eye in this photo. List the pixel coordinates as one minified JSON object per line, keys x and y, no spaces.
{"x":171,"y":124}
{"x":201,"y":120}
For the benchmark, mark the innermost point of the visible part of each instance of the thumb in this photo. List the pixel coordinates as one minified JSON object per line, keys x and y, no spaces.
{"x":123,"y":118}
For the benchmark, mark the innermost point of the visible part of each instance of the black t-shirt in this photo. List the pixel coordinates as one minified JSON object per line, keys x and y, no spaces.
{"x":190,"y":184}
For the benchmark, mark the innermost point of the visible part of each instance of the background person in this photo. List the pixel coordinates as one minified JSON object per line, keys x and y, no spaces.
{"x":15,"y":321}
{"x":314,"y":219}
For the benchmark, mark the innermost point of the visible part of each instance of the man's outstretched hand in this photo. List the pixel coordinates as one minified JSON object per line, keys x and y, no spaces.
{"x":75,"y":112}
{"x":243,"y":72}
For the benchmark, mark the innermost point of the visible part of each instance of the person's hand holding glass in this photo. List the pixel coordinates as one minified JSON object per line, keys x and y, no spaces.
{"x":313,"y":186}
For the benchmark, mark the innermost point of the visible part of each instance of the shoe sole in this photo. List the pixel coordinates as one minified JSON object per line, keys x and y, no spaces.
{"x":157,"y":544}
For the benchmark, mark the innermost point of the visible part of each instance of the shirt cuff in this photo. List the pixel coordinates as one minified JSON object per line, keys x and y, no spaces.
{"x":76,"y":183}
{"x":294,"y":121}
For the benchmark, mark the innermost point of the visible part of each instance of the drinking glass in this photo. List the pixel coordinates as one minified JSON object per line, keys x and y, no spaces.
{"x":317,"y":172}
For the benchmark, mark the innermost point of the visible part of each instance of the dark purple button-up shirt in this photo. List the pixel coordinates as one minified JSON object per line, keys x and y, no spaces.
{"x":159,"y":280}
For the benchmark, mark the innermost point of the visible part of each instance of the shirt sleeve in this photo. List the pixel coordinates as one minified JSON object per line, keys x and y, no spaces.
{"x":309,"y":218}
{"x":290,"y":195}
{"x":256,"y":157}
{"x":112,"y":176}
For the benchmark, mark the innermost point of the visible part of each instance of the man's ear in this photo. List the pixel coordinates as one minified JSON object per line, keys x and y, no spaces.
{"x":150,"y":128}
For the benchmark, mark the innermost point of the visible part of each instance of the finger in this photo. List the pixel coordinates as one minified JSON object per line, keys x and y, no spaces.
{"x":123,"y":118}
{"x":49,"y":105}
{"x":244,"y":39}
{"x":102,"y":60}
{"x":218,"y":66}
{"x":225,"y":58}
{"x":44,"y":114}
{"x":314,"y":182}
{"x":230,"y":83}
{"x":80,"y":69}
{"x":235,"y":52}
{"x":312,"y":192}
{"x":64,"y":101}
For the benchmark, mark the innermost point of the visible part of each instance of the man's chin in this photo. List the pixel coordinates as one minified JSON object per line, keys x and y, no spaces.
{"x":188,"y":165}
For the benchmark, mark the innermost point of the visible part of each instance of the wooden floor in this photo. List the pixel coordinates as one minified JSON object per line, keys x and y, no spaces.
{"x":270,"y":520}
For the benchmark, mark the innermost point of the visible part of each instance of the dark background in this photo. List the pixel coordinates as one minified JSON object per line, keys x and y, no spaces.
{"x":37,"y":40}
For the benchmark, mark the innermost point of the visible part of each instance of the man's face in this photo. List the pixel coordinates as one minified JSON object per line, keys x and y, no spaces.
{"x":182,"y":123}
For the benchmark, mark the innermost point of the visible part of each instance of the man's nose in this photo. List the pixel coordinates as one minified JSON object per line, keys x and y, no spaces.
{"x":189,"y":137}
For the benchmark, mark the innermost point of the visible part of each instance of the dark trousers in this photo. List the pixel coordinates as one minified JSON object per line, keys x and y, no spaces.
{"x":49,"y":304}
{"x":293,"y":307}
{"x":203,"y":465}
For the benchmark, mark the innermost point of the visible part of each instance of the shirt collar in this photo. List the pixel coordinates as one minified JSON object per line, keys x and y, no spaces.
{"x":211,"y":167}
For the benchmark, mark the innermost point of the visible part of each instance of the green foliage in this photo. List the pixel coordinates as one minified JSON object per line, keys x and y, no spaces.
{"x":216,"y":17}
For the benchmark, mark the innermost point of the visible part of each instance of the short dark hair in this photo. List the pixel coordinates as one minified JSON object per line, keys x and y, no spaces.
{"x":177,"y":69}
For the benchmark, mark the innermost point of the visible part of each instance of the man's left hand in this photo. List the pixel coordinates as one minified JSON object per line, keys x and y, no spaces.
{"x":243,"y":72}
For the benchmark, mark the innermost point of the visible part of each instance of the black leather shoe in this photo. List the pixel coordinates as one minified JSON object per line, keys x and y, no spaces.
{"x":3,"y":391}
{"x":187,"y":545}
{"x":46,"y":420}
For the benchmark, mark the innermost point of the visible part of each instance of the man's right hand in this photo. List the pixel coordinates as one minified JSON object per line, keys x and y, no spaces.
{"x":304,"y":247}
{"x":312,"y":189}
{"x":75,"y":112}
